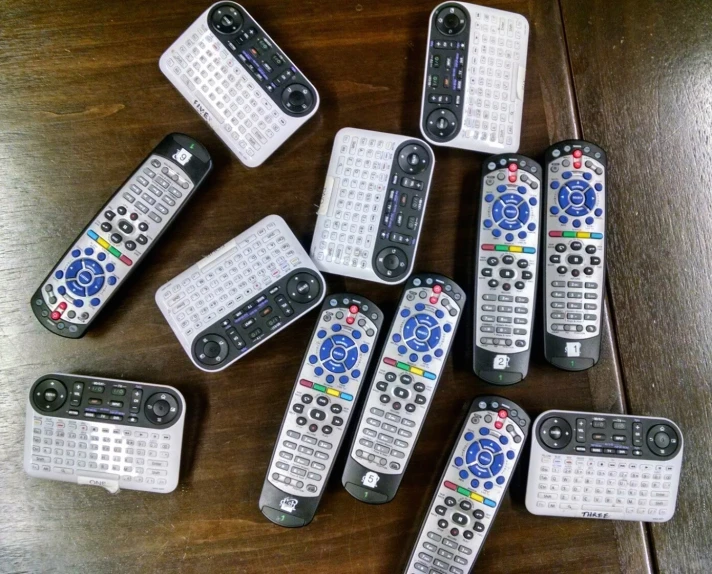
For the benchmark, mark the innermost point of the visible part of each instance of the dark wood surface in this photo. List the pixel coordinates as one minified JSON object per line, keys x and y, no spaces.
{"x":83,"y":102}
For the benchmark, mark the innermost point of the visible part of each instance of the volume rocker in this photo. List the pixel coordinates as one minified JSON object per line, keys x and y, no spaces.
{"x":402,"y":387}
{"x":320,"y":408}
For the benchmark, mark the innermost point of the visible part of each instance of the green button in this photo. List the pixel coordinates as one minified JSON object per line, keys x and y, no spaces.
{"x":463,"y":491}
{"x":321,"y":388}
{"x":501,"y":248}
{"x":569,"y":234}
{"x":115,"y":252}
{"x":403,"y":366}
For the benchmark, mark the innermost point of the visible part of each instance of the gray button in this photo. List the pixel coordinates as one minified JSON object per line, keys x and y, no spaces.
{"x":141,"y":207}
{"x":573,"y":305}
{"x":504,"y":319}
{"x":313,"y":476}
{"x":590,"y":317}
{"x":370,"y":432}
{"x":558,"y":283}
{"x":487,"y":318}
{"x":505,"y":298}
{"x":449,"y":543}
{"x":148,"y":199}
{"x":290,"y":444}
{"x":488,"y":308}
{"x":407,"y":423}
{"x":521,"y":310}
{"x":557,"y":294}
{"x":487,"y":341}
{"x":434,"y":536}
{"x":317,"y":465}
{"x":557,"y":315}
{"x":487,"y":329}
{"x":309,"y":439}
{"x":282,"y":465}
{"x":520,"y":321}
{"x":385,"y":438}
{"x":163,"y":209}
{"x":286,"y":455}
{"x":504,"y":309}
{"x":401,"y":443}
{"x":591,"y":285}
{"x":299,"y":471}
{"x":591,"y":296}
{"x":575,"y":284}
{"x":157,"y":218}
{"x":429,"y":546}
{"x":175,"y":192}
{"x":129,"y":198}
{"x":377,"y":412}
{"x":591,"y":328}
{"x":382,"y":449}
{"x":293,"y":434}
{"x":520,"y":331}
{"x":521,"y":299}
{"x":321,"y":455}
{"x":389,"y":428}
{"x":324,"y":444}
{"x":168,"y":200}
{"x":590,"y":306}
{"x":573,"y":295}
{"x":489,"y":297}
{"x":306,"y":450}
{"x":397,"y":454}
{"x":573,"y":316}
{"x":373,"y":422}
{"x":504,"y":331}
{"x":421,"y":567}
{"x":302,"y":460}
{"x":155,"y":191}
{"x":557,"y":305}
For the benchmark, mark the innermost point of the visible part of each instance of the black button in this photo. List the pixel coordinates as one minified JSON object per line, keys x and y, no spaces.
{"x":385,"y":399}
{"x":595,"y":260}
{"x":574,"y":259}
{"x":161,"y":408}
{"x":440,"y":510}
{"x":297,"y":98}
{"x":575,"y":272}
{"x":560,"y":247}
{"x":143,"y":226}
{"x":588,"y":270}
{"x":526,"y":275}
{"x":126,"y":227}
{"x":51,"y":394}
{"x":211,"y":349}
{"x":122,"y":210}
{"x":390,"y":377}
{"x":105,"y":226}
{"x":454,"y":532}
{"x":337,"y":421}
{"x":492,"y":261}
{"x":142,"y":239}
{"x":299,"y":408}
{"x":301,"y":421}
{"x":336,"y":409}
{"x":508,"y":259}
{"x":506,"y":273}
{"x":322,"y":401}
{"x":420,"y":399}
{"x":406,"y":379}
{"x":109,"y":215}
{"x":317,"y":415}
{"x":561,"y":269}
{"x":419,"y":387}
{"x":460,"y":519}
{"x":396,"y":406}
{"x":326,"y":429}
{"x":487,"y":272}
{"x":401,"y":393}
{"x":590,"y":249}
{"x":479,"y":514}
{"x":410,"y":407}
{"x":555,"y":258}
{"x":130,"y":245}
{"x":493,"y":283}
{"x":479,"y":527}
{"x":442,"y":523}
{"x":506,"y":286}
{"x":133,"y":216}
{"x":522,"y":263}
{"x":466,"y":505}
{"x":449,"y":501}
{"x":382,"y":386}
{"x":313,"y":427}
{"x":576,"y":245}
{"x":116,"y":238}
{"x":519,"y":285}
{"x":307,"y":399}
{"x":555,"y":433}
{"x":468,"y":534}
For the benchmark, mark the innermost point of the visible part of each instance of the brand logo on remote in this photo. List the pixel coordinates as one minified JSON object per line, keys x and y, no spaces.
{"x":594,"y":514}
{"x":573,"y":349}
{"x":288,"y":504}
{"x":500,"y":362}
{"x":370,"y":479}
{"x":202,"y":111}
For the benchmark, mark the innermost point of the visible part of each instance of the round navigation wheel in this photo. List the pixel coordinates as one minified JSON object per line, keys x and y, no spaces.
{"x":161,"y":408}
{"x":297,"y":98}
{"x":226,"y":19}
{"x":84,"y":277}
{"x":413,"y":159}
{"x":451,"y":20}
{"x":422,"y":333}
{"x":49,"y":395}
{"x":510,"y":211}
{"x":577,"y":198}
{"x":391,"y":262}
{"x":211,"y":349}
{"x":555,"y":433}
{"x":441,"y":123}
{"x":484,"y":458}
{"x":303,"y":287}
{"x":339,"y":354}
{"x":662,"y":440}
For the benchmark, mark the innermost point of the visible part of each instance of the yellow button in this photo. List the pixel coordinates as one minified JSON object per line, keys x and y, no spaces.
{"x":583,"y":235}
{"x":476,"y":497}
{"x":333,"y":392}
{"x":515,"y":249}
{"x":417,"y":371}
{"x":103,"y":243}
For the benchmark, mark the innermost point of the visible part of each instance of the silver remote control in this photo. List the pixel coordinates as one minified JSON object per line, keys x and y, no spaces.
{"x":402,"y":387}
{"x":117,"y":240}
{"x":507,"y":260}
{"x":604,"y":466}
{"x":104,"y":432}
{"x":575,"y":236}
{"x":471,"y":489}
{"x":320,"y":408}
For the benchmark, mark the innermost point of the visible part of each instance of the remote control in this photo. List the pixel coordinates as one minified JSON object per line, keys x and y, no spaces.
{"x":507,"y":261}
{"x":604,"y":466}
{"x":471,"y":488}
{"x":403,"y":386}
{"x":373,"y":204}
{"x":240,"y":295}
{"x":104,"y":432}
{"x":240,"y":82}
{"x":473,"y":90}
{"x":120,"y":235}
{"x":320,"y":408}
{"x":574,"y":275}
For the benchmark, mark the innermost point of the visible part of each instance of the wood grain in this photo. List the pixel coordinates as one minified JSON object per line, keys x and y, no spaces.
{"x":83,"y":102}
{"x":643,"y":75}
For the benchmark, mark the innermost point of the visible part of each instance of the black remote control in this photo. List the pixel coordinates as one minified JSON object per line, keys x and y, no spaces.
{"x":120,"y":235}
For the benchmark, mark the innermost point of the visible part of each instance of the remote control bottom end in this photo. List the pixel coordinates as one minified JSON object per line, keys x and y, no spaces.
{"x":572,"y":354}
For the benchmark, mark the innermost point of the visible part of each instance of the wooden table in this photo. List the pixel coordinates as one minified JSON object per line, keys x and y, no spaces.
{"x":83,"y":102}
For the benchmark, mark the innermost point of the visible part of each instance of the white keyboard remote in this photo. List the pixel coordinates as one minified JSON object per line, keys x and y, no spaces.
{"x":104,"y":432}
{"x":403,"y":385}
{"x":604,"y":466}
{"x":118,"y":238}
{"x":507,"y":262}
{"x":240,"y":295}
{"x":473,"y":90}
{"x":240,"y":82}
{"x":574,"y":275}
{"x":471,"y":489}
{"x":320,"y":408}
{"x":373,"y":205}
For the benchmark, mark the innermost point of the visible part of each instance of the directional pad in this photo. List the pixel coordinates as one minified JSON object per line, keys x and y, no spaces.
{"x":484,"y":458}
{"x":85,"y":277}
{"x":338,"y":353}
{"x":577,"y":198}
{"x":511,"y":211}
{"x":422,"y":332}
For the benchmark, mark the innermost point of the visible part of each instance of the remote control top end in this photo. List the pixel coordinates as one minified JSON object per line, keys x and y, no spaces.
{"x":240,"y":82}
{"x":473,"y":88}
{"x":575,"y":238}
{"x":507,"y":260}
{"x":117,"y":239}
{"x":372,"y":206}
{"x":403,"y":385}
{"x":604,"y":466}
{"x":104,"y":432}
{"x":320,"y":408}
{"x":472,"y":487}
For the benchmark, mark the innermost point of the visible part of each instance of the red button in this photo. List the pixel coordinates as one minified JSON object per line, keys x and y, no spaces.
{"x":578,"y":153}
{"x":126,"y":260}
{"x":502,"y":414}
{"x":555,"y":233}
{"x":487,"y":247}
{"x":498,"y":424}
{"x":512,"y":167}
{"x":306,"y":383}
{"x":389,"y":361}
{"x":577,"y":165}
{"x":62,"y":305}
{"x":353,"y":309}
{"x":512,"y":178}
{"x":134,"y":216}
{"x":350,"y":320}
{"x":450,"y":485}
{"x":433,"y":300}
{"x":55,"y":315}
{"x":437,"y":289}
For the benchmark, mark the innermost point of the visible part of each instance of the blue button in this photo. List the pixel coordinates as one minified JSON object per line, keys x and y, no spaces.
{"x":351,"y":359}
{"x":347,"y":397}
{"x":88,"y":251}
{"x":427,"y":358}
{"x":489,"y":198}
{"x":503,"y":439}
{"x":396,"y":338}
{"x":598,"y":212}
{"x":510,"y":454}
{"x":509,"y":237}
{"x":325,"y":350}
{"x":500,"y":480}
{"x":554,"y":210}
{"x":587,"y":176}
{"x":474,"y":483}
{"x":439,"y":313}
{"x":419,"y":306}
{"x":469,"y":436}
{"x":484,"y":431}
{"x":531,"y":226}
{"x":489,"y":502}
{"x":76,"y":252}
{"x":413,"y":357}
{"x":597,"y":236}
{"x":334,"y":367}
{"x":61,"y":290}
{"x":95,"y":302}
{"x":577,"y":223}
{"x":336,"y":328}
{"x":343,"y":379}
{"x":487,"y":223}
{"x":75,"y":288}
{"x":101,"y":256}
{"x":532,"y":201}
{"x":355,"y":374}
{"x":321,"y":334}
{"x":521,"y":189}
{"x":554,"y":185}
{"x":93,"y":266}
{"x":563,"y":219}
{"x":405,"y":312}
{"x":356,"y":334}
{"x":463,"y":474}
{"x":439,"y":352}
{"x":458,"y":461}
{"x":523,"y":212}
{"x":447,"y":327}
{"x":566,"y":175}
{"x":496,"y":232}
{"x":529,"y":250}
{"x":589,"y":221}
{"x":59,"y":274}
{"x":96,"y":286}
{"x":364,"y":348}
{"x":313,"y":359}
{"x":497,"y":210}
{"x":74,"y":268}
{"x":430,"y":376}
{"x":563,"y":198}
{"x":484,"y":458}
{"x":78,"y":303}
{"x":501,"y":188}
{"x":598,"y":187}
{"x":329,"y":378}
{"x":318,"y":371}
{"x":488,"y":485}
{"x":402,"y":349}
{"x":497,"y":464}
{"x":576,"y":197}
